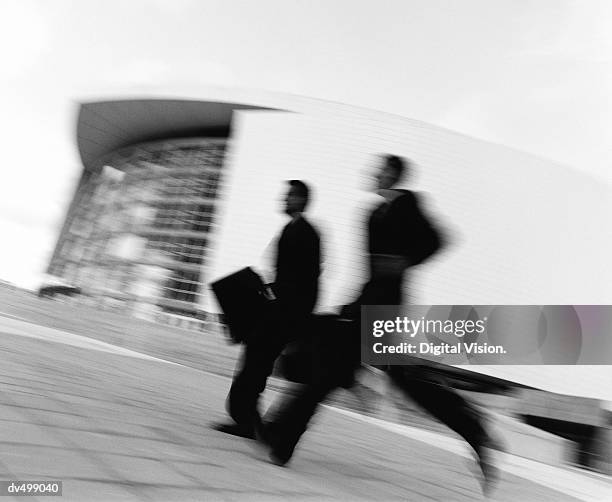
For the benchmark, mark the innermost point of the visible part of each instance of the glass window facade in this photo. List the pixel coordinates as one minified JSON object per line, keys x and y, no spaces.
{"x":141,"y":226}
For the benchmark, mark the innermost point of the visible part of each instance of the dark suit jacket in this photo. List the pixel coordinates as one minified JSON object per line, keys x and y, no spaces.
{"x":401,"y":228}
{"x":298,"y":265}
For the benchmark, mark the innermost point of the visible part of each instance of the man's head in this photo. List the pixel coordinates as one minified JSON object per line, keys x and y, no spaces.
{"x":297,"y":197}
{"x":391,"y":171}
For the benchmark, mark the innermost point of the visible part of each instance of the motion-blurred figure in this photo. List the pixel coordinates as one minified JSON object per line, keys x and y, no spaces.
{"x":295,"y":288}
{"x":399,"y":236}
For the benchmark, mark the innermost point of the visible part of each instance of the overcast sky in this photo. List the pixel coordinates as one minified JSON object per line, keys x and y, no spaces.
{"x":534,"y":75}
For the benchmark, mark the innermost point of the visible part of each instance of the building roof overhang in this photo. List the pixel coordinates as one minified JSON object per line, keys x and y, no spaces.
{"x":106,"y":126}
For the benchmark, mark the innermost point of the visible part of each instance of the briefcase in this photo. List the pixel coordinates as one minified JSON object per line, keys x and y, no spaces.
{"x":329,"y":352}
{"x":242,"y":298}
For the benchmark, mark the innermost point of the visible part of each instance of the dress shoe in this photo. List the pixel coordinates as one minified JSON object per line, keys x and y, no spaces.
{"x":269,"y":441}
{"x":235,"y":430}
{"x":490,"y":473}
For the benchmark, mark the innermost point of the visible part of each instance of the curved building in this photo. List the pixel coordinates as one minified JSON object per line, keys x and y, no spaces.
{"x":140,"y":224}
{"x":177,"y":192}
{"x":174,"y":193}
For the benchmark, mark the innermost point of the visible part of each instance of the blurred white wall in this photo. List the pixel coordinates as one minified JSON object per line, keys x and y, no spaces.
{"x":522,"y":230}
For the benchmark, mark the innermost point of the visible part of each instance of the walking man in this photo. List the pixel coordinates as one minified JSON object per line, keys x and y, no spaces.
{"x":295,"y":288}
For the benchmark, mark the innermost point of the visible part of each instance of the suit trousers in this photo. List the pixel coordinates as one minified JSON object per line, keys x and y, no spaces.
{"x":419,"y":382}
{"x":432,"y":393}
{"x":292,"y":419}
{"x":281,"y":326}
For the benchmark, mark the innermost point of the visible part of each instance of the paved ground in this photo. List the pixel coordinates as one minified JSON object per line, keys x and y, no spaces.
{"x":207,"y":351}
{"x":121,"y":427}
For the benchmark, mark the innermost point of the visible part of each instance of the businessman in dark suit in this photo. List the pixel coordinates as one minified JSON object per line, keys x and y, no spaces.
{"x":295,"y":288}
